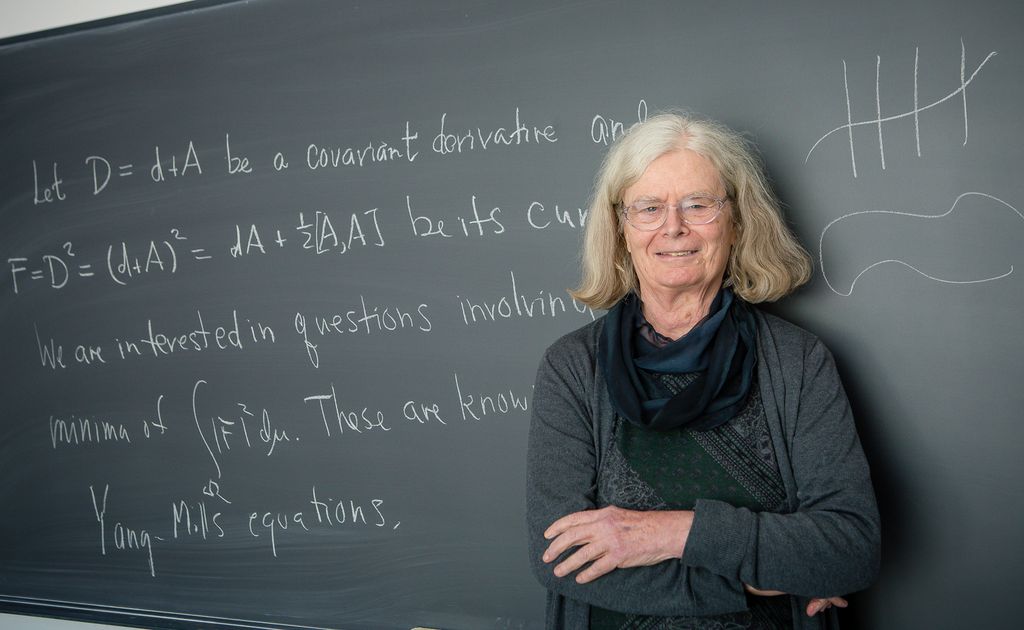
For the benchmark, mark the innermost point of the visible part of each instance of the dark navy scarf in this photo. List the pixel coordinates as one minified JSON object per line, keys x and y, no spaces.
{"x":720,"y":349}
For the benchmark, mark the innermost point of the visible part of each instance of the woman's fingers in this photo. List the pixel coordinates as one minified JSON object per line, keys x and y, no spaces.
{"x":570,"y":531}
{"x":570,"y":520}
{"x":819,"y":604}
{"x":580,"y":557}
{"x":604,"y":564}
{"x":562,"y":542}
{"x":761,"y":592}
{"x":613,"y":537}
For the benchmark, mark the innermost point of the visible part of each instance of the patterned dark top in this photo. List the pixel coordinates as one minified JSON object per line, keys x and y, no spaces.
{"x":670,"y":470}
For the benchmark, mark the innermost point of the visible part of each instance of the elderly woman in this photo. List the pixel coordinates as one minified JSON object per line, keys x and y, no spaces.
{"x":693,"y":461}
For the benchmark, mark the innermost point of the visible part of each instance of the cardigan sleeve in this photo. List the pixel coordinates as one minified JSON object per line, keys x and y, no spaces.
{"x":561,"y":479}
{"x":829,"y":545}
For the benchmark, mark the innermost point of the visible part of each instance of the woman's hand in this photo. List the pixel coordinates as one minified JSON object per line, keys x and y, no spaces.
{"x":614,"y":537}
{"x":815,"y":606}
{"x":819,"y":604}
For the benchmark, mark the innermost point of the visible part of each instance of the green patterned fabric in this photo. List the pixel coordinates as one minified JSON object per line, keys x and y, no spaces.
{"x":671,"y":470}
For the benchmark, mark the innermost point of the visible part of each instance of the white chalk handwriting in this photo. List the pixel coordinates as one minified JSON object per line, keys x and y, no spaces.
{"x":913,"y":112}
{"x":821,"y":245}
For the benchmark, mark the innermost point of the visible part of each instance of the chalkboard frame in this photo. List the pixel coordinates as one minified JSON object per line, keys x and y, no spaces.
{"x":886,"y":429}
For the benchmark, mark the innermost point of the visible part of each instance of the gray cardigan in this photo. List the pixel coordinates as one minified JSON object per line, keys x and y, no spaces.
{"x":827,"y":542}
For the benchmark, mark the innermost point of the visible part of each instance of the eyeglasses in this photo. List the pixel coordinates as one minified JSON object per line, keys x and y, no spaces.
{"x":648,"y":215}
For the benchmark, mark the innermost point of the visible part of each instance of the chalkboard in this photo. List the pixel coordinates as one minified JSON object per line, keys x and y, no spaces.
{"x":278,"y":275}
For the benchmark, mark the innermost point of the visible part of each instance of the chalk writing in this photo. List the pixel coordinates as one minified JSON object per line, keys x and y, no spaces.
{"x":422,"y":412}
{"x":605,"y":130}
{"x":448,"y":143}
{"x":518,"y":305}
{"x":853,"y":283}
{"x":913,"y":112}
{"x":212,"y":490}
{"x":124,"y":538}
{"x":100,"y":509}
{"x":101,"y":171}
{"x":123,"y":266}
{"x":328,"y":512}
{"x":243,"y":428}
{"x":329,"y":507}
{"x":367,"y":318}
{"x":321,"y":237}
{"x":375,"y":152}
{"x":197,"y":339}
{"x":253,"y":241}
{"x":539,"y":217}
{"x":150,"y":427}
{"x":99,"y":164}
{"x":54,"y":268}
{"x":158,"y":172}
{"x":200,"y":423}
{"x":51,"y":353}
{"x":73,"y":431}
{"x":195,"y":518}
{"x":226,"y":428}
{"x":127,"y":262}
{"x":355,"y":420}
{"x":480,"y":405}
{"x":236,"y":164}
{"x":50,"y":192}
{"x":123,"y":262}
{"x":190,"y":518}
{"x":480,"y":225}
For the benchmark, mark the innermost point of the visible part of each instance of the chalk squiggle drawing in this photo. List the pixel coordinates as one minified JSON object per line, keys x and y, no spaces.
{"x":821,"y":248}
{"x":850,"y":124}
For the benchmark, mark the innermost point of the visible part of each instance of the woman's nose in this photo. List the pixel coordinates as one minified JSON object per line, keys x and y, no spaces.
{"x":674,"y":224}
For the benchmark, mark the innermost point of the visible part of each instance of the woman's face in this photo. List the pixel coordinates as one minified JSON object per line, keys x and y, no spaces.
{"x":679,"y":258}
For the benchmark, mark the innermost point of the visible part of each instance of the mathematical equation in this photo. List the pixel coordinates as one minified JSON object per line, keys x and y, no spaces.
{"x":211,"y":512}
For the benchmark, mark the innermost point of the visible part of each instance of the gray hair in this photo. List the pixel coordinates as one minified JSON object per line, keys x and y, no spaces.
{"x":765,"y":264}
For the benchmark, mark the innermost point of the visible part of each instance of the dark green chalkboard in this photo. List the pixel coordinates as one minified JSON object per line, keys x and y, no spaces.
{"x":277,"y":276}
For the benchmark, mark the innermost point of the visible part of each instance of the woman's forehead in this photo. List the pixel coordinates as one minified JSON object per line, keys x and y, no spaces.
{"x":677,"y":173}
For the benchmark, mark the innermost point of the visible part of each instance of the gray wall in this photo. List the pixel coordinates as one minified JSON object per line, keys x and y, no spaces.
{"x":915,"y":223}
{"x":22,"y":622}
{"x":20,"y":18}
